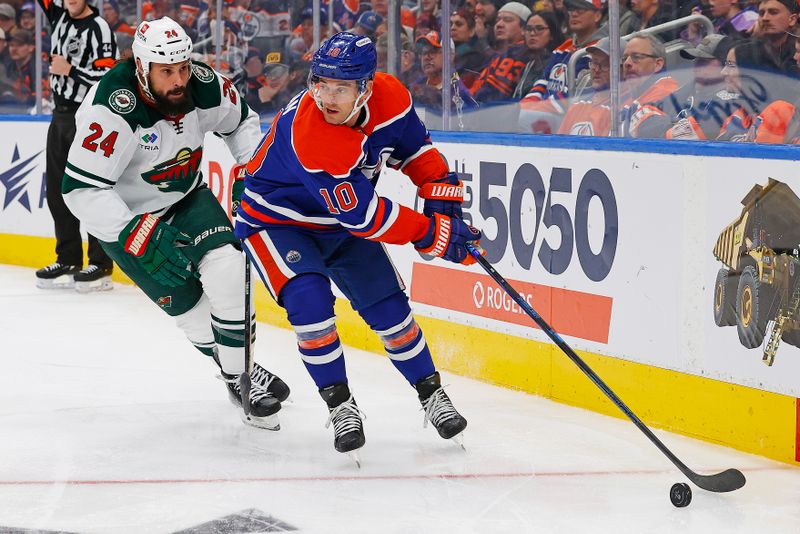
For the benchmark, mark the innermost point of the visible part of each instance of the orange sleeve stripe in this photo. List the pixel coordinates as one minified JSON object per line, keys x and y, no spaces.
{"x":105,"y":62}
{"x":426,"y":168}
{"x":258,"y":158}
{"x":405,"y":339}
{"x":318,"y":342}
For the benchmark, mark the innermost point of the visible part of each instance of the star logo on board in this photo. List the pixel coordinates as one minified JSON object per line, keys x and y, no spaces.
{"x":15,"y":182}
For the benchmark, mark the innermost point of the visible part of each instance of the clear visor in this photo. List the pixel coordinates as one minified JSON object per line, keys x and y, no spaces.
{"x":333,"y":91}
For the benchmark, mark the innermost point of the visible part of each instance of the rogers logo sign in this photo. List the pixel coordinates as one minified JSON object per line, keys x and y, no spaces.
{"x":495,"y":298}
{"x":571,"y":313}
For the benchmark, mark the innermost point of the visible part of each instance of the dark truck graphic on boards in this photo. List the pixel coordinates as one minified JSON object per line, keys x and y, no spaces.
{"x":757,"y":288}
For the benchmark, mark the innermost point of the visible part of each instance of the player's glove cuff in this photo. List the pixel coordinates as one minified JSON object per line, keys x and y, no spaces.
{"x":237,"y":187}
{"x":156,"y":245}
{"x":444,"y":196}
{"x":447,"y":238}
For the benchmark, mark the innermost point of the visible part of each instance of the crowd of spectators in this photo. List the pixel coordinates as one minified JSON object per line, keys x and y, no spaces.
{"x":548,"y":61}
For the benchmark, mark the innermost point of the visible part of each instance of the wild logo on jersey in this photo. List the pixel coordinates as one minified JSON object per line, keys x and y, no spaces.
{"x":178,"y":173}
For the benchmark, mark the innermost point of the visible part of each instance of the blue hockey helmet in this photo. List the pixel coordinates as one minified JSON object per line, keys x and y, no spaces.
{"x":346,"y":56}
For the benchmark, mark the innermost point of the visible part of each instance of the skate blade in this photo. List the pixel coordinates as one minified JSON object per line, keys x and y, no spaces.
{"x":355,"y":457}
{"x":458,"y":439}
{"x":62,"y":282}
{"x":103,"y":284}
{"x":270,"y":422}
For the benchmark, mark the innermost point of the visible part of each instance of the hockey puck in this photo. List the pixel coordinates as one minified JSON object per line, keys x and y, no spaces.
{"x":680,"y":494}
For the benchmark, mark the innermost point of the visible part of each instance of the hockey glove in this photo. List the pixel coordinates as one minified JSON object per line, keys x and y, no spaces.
{"x":447,"y":238}
{"x":444,"y":196}
{"x":237,"y":188}
{"x":156,"y":245}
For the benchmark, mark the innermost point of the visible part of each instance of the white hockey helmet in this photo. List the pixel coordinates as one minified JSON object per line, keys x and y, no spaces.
{"x":159,"y":41}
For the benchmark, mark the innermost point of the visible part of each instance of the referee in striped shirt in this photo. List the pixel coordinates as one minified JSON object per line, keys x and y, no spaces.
{"x":82,"y":49}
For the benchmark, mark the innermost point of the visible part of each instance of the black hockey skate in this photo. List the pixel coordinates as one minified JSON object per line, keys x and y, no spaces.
{"x":263,"y":405}
{"x":56,"y":276}
{"x":271,"y":382}
{"x":348,"y":427}
{"x":439,"y":409}
{"x":93,"y":278}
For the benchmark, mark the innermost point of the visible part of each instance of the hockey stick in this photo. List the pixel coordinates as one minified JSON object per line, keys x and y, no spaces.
{"x":728,"y":480}
{"x":244,"y":378}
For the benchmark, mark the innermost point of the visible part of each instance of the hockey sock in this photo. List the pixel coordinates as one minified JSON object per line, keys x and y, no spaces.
{"x":195,"y":325}
{"x":222,"y":275}
{"x":402,"y":338}
{"x":308,"y":301}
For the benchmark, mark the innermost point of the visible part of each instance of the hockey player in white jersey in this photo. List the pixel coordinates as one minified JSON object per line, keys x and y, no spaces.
{"x":133,"y":179}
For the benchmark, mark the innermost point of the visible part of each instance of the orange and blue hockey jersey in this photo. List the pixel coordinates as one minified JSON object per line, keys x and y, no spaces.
{"x":322,"y":177}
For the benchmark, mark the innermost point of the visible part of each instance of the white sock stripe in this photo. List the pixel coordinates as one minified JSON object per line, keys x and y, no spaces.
{"x":396,"y":328}
{"x":315,"y":327}
{"x":323,"y":358}
{"x":404,"y":356}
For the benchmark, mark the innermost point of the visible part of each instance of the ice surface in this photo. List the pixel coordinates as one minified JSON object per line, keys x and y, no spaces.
{"x":110,"y":421}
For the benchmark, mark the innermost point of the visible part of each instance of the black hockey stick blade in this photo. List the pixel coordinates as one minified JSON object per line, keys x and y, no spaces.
{"x":728,"y":480}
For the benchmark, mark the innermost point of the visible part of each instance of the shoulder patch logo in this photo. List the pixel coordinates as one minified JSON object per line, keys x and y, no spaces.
{"x":122,"y":101}
{"x":203,"y":74}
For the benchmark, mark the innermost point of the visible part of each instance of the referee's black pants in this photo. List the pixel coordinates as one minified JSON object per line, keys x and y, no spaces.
{"x":69,"y":250}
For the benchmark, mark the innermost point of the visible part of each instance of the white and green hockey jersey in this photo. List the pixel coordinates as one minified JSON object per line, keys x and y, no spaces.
{"x":128,"y":159}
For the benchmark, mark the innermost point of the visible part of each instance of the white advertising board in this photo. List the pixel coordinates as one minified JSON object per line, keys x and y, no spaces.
{"x":614,"y":249}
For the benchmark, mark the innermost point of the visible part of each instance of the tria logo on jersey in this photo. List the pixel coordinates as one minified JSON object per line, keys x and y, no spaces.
{"x":149,"y":141}
{"x":178,"y":173}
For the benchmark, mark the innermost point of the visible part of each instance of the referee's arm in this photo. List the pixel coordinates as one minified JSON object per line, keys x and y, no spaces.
{"x":99,"y":59}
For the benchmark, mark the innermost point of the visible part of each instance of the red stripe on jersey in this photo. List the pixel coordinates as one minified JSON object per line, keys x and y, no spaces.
{"x":276,"y":277}
{"x":378,"y":221}
{"x":429,"y":166}
{"x":409,"y":226}
{"x":252,"y":212}
{"x":258,"y":158}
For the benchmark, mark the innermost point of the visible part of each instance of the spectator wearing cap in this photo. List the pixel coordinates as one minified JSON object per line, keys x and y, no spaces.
{"x":508,"y":25}
{"x":542,"y":34}
{"x":485,"y":17}
{"x":593,"y":117}
{"x":303,"y":44}
{"x":731,"y":19}
{"x":410,"y":70}
{"x":427,"y":90}
{"x":270,"y":93}
{"x":700,"y":107}
{"x":27,"y":17}
{"x":117,"y":25}
{"x":367,"y":24}
{"x":500,"y":76}
{"x":8,"y":18}
{"x":21,"y":72}
{"x":551,"y":91}
{"x":471,"y":53}
{"x":646,"y":88}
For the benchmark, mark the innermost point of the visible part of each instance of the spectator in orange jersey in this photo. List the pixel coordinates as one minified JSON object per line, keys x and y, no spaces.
{"x":780,"y":121}
{"x":499,"y":78}
{"x":646,"y":86}
{"x":593,"y":117}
